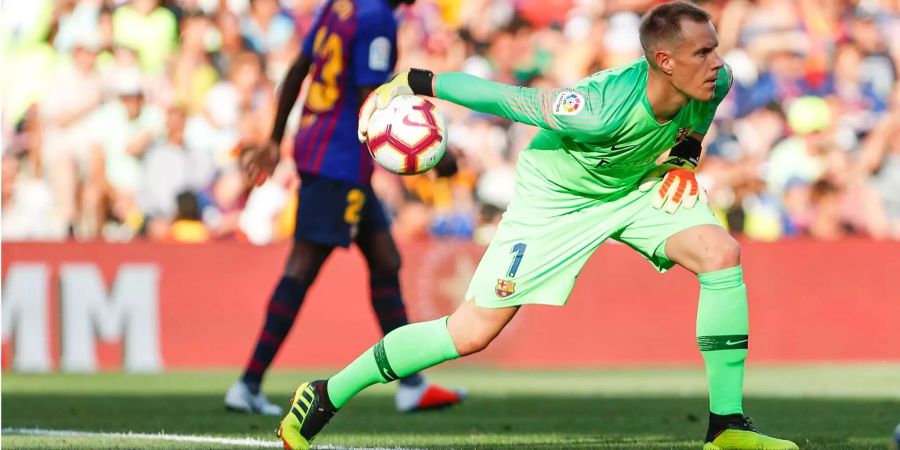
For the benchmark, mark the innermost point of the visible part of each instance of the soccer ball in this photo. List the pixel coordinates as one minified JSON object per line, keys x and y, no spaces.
{"x":408,"y":136}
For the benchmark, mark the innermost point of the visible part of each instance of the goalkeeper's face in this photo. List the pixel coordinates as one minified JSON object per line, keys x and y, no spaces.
{"x":695,"y":63}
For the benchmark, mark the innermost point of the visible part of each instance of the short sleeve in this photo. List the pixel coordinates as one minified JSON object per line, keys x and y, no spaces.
{"x":307,"y":47}
{"x":374,"y":49}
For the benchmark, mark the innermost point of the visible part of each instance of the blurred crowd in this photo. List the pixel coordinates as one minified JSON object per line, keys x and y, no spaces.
{"x":121,"y":119}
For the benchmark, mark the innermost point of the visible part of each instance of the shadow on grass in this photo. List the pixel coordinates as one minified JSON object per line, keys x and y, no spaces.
{"x":514,"y":422}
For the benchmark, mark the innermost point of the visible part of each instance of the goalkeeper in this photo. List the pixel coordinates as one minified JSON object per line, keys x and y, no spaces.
{"x":589,"y":175}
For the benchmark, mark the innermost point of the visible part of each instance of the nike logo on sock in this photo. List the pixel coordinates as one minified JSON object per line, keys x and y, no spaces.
{"x":722,"y":342}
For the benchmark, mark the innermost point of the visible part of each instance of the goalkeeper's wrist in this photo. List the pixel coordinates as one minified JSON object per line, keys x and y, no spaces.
{"x":689,"y":150}
{"x":421,"y":81}
{"x":681,"y":163}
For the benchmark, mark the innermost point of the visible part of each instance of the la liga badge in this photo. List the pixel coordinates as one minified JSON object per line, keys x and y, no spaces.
{"x":568,"y":103}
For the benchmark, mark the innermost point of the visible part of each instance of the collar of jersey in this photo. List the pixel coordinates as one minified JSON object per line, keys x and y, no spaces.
{"x":646,"y":101}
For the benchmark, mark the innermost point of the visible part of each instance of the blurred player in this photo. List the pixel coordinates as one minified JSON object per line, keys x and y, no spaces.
{"x":350,"y":50}
{"x":589,"y":175}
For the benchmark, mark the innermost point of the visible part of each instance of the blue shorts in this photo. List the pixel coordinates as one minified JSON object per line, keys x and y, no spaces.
{"x":333,"y":213}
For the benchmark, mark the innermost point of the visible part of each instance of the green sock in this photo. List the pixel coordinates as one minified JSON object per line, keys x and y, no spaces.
{"x":400,"y":353}
{"x":722,"y":327}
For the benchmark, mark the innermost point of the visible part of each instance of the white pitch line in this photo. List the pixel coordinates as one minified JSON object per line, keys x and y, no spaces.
{"x":243,"y":442}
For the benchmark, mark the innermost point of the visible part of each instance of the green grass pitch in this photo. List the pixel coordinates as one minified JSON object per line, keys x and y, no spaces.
{"x":820,"y":407}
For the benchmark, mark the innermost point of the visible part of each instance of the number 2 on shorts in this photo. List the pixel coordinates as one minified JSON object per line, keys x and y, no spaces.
{"x":355,"y":200}
{"x":519,"y":250}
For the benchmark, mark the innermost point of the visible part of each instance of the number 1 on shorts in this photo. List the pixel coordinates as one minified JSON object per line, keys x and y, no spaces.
{"x":519,"y":250}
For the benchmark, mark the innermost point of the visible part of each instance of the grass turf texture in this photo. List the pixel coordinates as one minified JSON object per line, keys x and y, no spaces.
{"x":821,"y":407}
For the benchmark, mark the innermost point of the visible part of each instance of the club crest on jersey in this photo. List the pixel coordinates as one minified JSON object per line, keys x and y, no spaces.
{"x":682,"y":132}
{"x":505,"y":288}
{"x":568,"y":103}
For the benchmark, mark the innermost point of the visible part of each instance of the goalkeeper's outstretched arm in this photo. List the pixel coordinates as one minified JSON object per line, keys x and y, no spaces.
{"x":571,"y":111}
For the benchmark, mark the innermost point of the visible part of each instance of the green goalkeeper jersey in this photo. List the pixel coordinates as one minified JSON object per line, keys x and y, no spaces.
{"x":597,"y":138}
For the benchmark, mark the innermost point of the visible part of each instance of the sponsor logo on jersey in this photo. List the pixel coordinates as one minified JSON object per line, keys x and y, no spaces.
{"x":380,"y":54}
{"x":505,"y":288}
{"x":568,"y":103}
{"x":681,"y":134}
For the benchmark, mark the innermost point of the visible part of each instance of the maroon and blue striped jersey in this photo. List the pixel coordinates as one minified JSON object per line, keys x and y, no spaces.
{"x":352,"y":44}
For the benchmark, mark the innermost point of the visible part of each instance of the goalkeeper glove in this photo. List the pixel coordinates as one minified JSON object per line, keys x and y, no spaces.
{"x":679,"y":186}
{"x":412,"y":82}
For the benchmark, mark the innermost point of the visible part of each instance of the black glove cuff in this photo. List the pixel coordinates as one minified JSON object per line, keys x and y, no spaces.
{"x":688,"y":149}
{"x":420,"y":81}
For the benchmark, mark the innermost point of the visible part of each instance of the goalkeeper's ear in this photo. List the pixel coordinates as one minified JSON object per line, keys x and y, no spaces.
{"x":688,"y":149}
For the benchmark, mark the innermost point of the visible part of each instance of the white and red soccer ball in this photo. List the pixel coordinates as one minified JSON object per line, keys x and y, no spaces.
{"x":408,"y":136}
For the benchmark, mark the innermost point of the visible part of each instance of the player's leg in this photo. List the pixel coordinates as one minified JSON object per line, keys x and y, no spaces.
{"x":303,"y":264}
{"x":302,"y":267}
{"x":722,"y":332}
{"x":383,"y":259}
{"x":300,"y":271}
{"x":320,"y":226}
{"x":722,"y":319}
{"x":402,"y":352}
{"x":692,"y":238}
{"x":531,"y":259}
{"x":418,"y":346}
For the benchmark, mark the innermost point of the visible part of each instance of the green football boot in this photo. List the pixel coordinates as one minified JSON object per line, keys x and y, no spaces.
{"x":310,"y":410}
{"x":735,"y":431}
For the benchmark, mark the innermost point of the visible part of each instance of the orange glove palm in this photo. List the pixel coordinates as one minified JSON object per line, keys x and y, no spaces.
{"x":679,"y":186}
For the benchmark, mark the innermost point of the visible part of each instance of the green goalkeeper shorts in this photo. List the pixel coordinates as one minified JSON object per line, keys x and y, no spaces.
{"x":536,"y":256}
